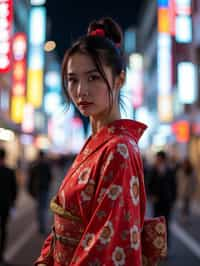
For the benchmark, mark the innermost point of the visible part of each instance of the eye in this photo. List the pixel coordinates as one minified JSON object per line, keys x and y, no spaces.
{"x":94,"y":77}
{"x":71,"y":80}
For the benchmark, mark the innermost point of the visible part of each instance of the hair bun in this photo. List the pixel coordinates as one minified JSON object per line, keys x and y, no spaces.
{"x":112,"y":29}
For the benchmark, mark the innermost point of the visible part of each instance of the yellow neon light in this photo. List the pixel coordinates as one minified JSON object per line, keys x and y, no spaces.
{"x":165,"y":108}
{"x":163,"y":20}
{"x":35,"y":87}
{"x":17,"y":108}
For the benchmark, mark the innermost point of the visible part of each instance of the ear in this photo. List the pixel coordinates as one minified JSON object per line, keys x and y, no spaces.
{"x":120,"y":80}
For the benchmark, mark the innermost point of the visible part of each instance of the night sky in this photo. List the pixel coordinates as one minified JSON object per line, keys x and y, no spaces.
{"x":69,"y":21}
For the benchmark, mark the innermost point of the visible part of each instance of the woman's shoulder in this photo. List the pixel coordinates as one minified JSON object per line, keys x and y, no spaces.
{"x":122,"y":139}
{"x":124,"y":145}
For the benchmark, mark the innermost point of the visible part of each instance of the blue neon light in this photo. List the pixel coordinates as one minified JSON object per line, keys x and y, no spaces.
{"x":163,"y":3}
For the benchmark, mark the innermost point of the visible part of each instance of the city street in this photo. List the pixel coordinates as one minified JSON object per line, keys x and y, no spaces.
{"x":24,"y":241}
{"x":117,"y":86}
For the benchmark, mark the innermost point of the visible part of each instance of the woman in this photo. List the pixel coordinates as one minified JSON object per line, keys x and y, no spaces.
{"x":99,"y":208}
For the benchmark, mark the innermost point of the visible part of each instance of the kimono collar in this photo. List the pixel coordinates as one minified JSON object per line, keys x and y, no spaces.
{"x":128,"y":127}
{"x":133,"y":129}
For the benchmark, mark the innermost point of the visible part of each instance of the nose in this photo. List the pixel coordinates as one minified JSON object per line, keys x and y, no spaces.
{"x":82,"y":89}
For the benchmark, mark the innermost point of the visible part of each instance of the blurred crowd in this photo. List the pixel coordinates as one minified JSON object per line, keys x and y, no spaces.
{"x":170,"y":184}
{"x":37,"y":179}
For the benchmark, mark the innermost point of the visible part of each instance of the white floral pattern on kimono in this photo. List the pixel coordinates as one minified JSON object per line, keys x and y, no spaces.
{"x":104,"y":199}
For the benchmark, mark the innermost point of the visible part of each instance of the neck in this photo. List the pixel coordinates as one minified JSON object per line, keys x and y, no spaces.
{"x":99,"y":122}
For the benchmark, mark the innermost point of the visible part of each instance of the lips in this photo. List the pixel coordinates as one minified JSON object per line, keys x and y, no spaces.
{"x":84,"y":104}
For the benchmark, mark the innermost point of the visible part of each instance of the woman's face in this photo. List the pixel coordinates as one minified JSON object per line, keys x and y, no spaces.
{"x":86,"y":87}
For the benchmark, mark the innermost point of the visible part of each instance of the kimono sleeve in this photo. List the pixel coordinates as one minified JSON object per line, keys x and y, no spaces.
{"x":112,"y":236}
{"x":46,"y":256}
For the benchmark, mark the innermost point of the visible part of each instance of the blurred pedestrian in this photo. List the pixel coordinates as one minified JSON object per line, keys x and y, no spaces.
{"x":8,"y":193}
{"x":163,"y":188}
{"x":188,"y":182}
{"x":99,"y":208}
{"x":39,"y":181}
{"x":147,"y":170}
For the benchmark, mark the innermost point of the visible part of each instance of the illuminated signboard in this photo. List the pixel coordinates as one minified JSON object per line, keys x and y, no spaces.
{"x":163,"y":3}
{"x":164,"y":67}
{"x":183,"y":7}
{"x":183,"y":21}
{"x":165,"y":110}
{"x":187,"y":82}
{"x":35,"y":87}
{"x":52,"y":101}
{"x":6,"y":20}
{"x":37,"y":30}
{"x":181,"y":129}
{"x":53,"y":80}
{"x":17,"y":108}
{"x":28,"y":119}
{"x":38,"y":2}
{"x":183,"y":25}
{"x":163,"y":20}
{"x":164,"y":63}
{"x":37,"y":25}
{"x":18,"y":91}
{"x":136,"y":79}
{"x":129,"y":41}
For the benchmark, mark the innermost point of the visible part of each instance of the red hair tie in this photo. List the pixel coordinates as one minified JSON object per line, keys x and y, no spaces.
{"x":101,"y":33}
{"x":97,"y":32}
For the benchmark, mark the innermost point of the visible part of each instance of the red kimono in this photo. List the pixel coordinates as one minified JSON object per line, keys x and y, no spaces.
{"x":100,"y":204}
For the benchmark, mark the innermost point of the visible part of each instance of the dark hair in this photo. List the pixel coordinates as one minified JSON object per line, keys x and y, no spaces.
{"x":187,"y":166}
{"x":162,"y":155}
{"x":102,"y":50}
{"x":41,"y":154}
{"x":2,"y":153}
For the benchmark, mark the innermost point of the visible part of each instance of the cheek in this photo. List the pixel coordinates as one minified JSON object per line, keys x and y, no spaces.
{"x":103,"y":93}
{"x":71,"y":94}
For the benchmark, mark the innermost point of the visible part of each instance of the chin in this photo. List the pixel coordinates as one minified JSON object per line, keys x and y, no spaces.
{"x":92,"y":113}
{"x":85,"y":113}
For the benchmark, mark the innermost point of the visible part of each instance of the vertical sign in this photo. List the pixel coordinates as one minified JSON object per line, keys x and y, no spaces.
{"x":136,"y":65}
{"x":165,"y":104}
{"x":18,"y":92}
{"x":28,"y":119}
{"x":6,"y":20}
{"x":37,"y":30}
{"x":183,"y":21}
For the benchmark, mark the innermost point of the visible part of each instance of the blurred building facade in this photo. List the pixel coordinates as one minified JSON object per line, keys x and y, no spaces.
{"x":32,"y":105}
{"x":169,"y":39}
{"x":17,"y":131}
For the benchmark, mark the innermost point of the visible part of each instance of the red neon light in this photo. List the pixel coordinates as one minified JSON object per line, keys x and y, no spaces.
{"x":19,"y":70}
{"x":6,"y":10}
{"x":172,"y":15}
{"x":19,"y":46}
{"x":181,"y":130}
{"x":19,"y":65}
{"x":18,"y":89}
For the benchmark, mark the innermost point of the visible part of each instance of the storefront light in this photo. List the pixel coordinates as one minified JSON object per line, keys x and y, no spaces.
{"x":52,"y":79}
{"x":49,"y":46}
{"x":6,"y":134}
{"x":187,"y":82}
{"x":42,"y":142}
{"x":183,"y":29}
{"x":37,"y":2}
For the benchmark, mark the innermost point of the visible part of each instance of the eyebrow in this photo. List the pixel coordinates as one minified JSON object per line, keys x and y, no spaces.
{"x":86,"y":72}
